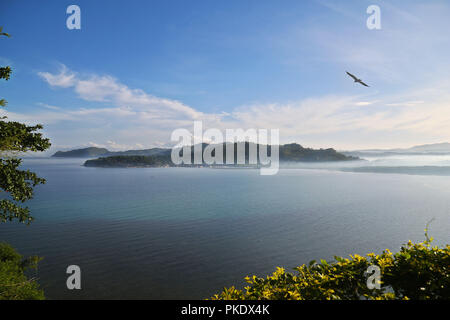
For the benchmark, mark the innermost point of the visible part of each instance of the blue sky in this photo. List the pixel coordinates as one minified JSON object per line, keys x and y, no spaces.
{"x":137,"y":70}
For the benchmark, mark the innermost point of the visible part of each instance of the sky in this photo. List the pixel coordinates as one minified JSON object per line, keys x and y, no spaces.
{"x":138,"y":70}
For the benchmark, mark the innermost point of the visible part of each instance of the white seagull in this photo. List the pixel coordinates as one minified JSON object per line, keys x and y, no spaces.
{"x":356,"y":79}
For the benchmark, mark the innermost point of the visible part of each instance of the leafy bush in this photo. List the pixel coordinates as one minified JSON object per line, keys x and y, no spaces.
{"x":418,"y":271}
{"x":14,"y":284}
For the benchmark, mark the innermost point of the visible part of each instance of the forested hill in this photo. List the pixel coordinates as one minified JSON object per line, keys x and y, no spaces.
{"x":82,"y":153}
{"x":294,"y":152}
{"x":93,"y":152}
{"x":288,"y":153}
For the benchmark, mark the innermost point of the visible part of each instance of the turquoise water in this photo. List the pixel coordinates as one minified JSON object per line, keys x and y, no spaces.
{"x":182,"y":233}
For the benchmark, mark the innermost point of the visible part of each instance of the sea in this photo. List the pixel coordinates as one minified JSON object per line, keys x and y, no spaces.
{"x":185,"y":233}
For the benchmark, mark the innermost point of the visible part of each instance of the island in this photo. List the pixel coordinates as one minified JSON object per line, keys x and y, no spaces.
{"x":94,"y":152}
{"x":288,"y":153}
{"x":82,"y":153}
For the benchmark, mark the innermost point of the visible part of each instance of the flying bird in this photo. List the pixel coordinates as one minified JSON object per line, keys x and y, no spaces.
{"x":356,"y":79}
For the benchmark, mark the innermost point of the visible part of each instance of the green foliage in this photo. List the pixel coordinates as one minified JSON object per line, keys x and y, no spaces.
{"x":18,"y":184}
{"x":14,"y":284}
{"x":17,"y":137}
{"x":418,"y":271}
{"x":294,"y":152}
{"x":130,"y":161}
{"x":5,"y":73}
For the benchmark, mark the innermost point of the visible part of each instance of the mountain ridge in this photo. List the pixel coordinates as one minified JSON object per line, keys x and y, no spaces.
{"x":94,"y":152}
{"x":441,"y":148}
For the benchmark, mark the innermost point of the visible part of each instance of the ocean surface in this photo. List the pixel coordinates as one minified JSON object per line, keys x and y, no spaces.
{"x":185,"y":233}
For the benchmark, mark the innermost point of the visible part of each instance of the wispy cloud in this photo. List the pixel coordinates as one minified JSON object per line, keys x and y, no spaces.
{"x":405,"y":103}
{"x":64,"y":78}
{"x":44,"y":105}
{"x":127,"y":118}
{"x":108,"y":89}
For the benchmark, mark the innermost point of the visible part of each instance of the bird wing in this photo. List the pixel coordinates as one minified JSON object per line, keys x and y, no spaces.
{"x":354,"y":78}
{"x":363,"y":83}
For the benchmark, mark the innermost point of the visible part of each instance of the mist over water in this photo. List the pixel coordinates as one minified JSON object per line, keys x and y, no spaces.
{"x":395,"y":164}
{"x":174,"y":233}
{"x":410,"y":160}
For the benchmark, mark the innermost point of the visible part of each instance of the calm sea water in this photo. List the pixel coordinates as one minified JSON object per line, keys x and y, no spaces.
{"x":181,"y":233}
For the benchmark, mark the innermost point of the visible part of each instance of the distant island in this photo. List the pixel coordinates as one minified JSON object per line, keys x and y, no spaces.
{"x":426,"y":149}
{"x":94,"y":152}
{"x":161,"y":157}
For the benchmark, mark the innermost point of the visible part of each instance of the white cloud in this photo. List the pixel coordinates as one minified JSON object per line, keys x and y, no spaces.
{"x":131,"y":118}
{"x":64,"y":78}
{"x":48,"y":106}
{"x":405,"y":104}
{"x":110,"y":90}
{"x":364,"y":103}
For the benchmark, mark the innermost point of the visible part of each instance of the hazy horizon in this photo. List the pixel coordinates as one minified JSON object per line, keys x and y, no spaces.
{"x":53,"y":150}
